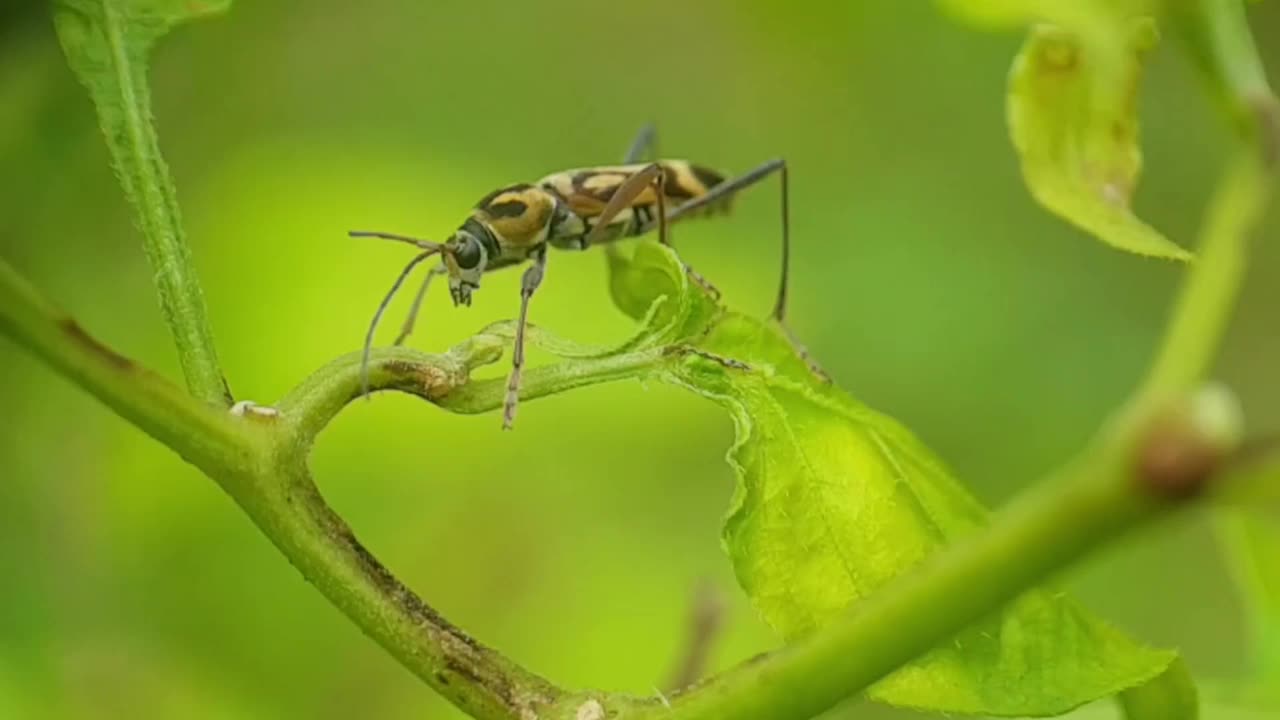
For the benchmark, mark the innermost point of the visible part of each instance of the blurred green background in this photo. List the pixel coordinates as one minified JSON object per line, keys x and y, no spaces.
{"x":925,"y":280}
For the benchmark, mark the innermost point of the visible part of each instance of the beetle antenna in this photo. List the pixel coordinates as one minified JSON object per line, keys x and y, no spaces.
{"x":433,"y":249}
{"x":416,"y":242}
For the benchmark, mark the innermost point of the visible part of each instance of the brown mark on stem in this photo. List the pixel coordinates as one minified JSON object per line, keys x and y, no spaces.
{"x":427,"y":381}
{"x":1175,"y":461}
{"x":461,"y":657}
{"x":87,"y":341}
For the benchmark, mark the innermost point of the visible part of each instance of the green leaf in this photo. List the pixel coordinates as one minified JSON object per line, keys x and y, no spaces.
{"x":835,"y":500}
{"x":653,"y":286}
{"x":1171,"y":696}
{"x":106,"y":43}
{"x":1072,"y":109}
{"x":131,"y":25}
{"x":1072,"y":112}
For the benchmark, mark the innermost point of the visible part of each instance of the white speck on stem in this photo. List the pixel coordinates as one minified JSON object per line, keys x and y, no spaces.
{"x":249,"y":407}
{"x":590,"y":710}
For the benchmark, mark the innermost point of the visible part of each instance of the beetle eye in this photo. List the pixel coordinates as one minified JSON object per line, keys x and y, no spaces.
{"x":468,"y":254}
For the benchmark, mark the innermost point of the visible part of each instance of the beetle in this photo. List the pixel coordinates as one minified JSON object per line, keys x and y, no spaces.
{"x":574,"y":210}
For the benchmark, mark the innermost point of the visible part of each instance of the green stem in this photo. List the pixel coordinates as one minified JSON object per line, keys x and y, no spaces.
{"x":203,"y":435}
{"x":1106,"y":492}
{"x":1048,"y":528}
{"x":1216,"y":33}
{"x":1206,"y":299}
{"x":313,"y":404}
{"x":108,"y":54}
{"x":257,"y":461}
{"x":290,"y":510}
{"x":440,"y":379}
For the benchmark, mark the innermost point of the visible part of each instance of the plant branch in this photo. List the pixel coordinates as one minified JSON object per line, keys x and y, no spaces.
{"x":1119,"y":483}
{"x":109,"y":57}
{"x":1158,"y":450}
{"x":203,"y":435}
{"x":1050,"y":526}
{"x":474,"y":677}
{"x":1207,"y":298}
{"x":440,"y":379}
{"x":257,"y":461}
{"x":1216,"y":33}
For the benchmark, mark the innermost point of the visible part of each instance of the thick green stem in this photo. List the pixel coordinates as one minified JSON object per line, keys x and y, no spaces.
{"x":1051,"y":526}
{"x":1109,"y":490}
{"x":200,"y":433}
{"x":260,"y":458}
{"x":256,"y":459}
{"x":289,"y":509}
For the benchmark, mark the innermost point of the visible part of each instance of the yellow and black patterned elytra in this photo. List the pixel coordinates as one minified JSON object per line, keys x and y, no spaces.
{"x":588,"y":190}
{"x":571,"y":209}
{"x":520,"y":217}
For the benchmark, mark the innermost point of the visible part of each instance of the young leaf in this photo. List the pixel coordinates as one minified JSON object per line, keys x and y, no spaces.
{"x":131,"y":25}
{"x":653,"y":285}
{"x":1072,"y":112}
{"x":1173,"y":694}
{"x":106,"y":43}
{"x":835,"y":500}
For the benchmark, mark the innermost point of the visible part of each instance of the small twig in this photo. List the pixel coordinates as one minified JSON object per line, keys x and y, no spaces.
{"x":706,"y":615}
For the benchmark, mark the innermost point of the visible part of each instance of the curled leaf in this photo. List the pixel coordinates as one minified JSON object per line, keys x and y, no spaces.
{"x":1172,"y":695}
{"x":835,"y":500}
{"x":654,"y":286}
{"x":1073,"y":117}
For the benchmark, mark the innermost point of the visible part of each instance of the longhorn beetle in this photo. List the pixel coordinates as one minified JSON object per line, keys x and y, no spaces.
{"x":574,"y":210}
